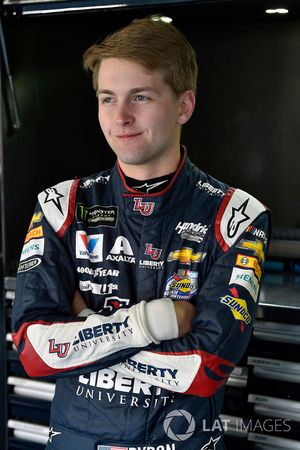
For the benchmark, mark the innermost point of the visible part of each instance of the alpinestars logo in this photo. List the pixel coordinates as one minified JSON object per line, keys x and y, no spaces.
{"x":211,"y":445}
{"x":238,"y":216}
{"x":53,"y":196}
{"x":153,"y":252}
{"x":145,"y":208}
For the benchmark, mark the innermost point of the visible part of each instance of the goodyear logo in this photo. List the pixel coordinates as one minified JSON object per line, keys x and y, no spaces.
{"x":238,"y":308}
{"x":250,"y":262}
{"x":37,"y":217}
{"x":34,"y":233}
{"x":257,"y":247}
{"x":186,"y":256}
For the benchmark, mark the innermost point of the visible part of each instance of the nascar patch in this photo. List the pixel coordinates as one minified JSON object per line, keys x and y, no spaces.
{"x":247,"y":279}
{"x":250,"y":262}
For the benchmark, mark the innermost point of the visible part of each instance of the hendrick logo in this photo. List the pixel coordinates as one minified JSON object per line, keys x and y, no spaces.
{"x":145,"y":208}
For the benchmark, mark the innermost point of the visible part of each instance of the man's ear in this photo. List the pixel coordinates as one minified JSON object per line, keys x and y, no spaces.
{"x":186,"y":106}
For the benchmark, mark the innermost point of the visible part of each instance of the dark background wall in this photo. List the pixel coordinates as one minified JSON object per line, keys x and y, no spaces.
{"x":245,"y":130}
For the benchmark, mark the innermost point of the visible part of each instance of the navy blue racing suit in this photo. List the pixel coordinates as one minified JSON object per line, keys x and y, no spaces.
{"x":124,"y":379}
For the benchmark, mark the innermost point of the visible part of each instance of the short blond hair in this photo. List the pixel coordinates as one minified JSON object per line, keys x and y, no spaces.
{"x":154,"y":44}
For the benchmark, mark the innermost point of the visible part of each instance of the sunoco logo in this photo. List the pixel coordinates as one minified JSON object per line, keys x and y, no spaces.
{"x":187,"y":421}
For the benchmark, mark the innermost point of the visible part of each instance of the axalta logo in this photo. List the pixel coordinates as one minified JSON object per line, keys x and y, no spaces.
{"x":186,"y":256}
{"x":192,"y":231}
{"x":112,"y":328}
{"x":145,"y":208}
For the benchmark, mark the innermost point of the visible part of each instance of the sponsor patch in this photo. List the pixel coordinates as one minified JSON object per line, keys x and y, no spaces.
{"x":257,"y":247}
{"x":145,"y":208}
{"x":250,"y":262}
{"x":98,"y":272}
{"x":98,"y":289}
{"x":186,"y":256}
{"x":237,"y":211}
{"x":182,"y":285}
{"x":37,"y":217}
{"x":34,"y":233}
{"x":29,"y":264}
{"x":210,"y":189}
{"x":32,"y":248}
{"x":89,"y":246}
{"x":121,"y":251}
{"x":247,"y":279}
{"x":97,"y":215}
{"x":238,"y":308}
{"x":260,"y":234}
{"x":153,"y":252}
{"x":192,"y":231}
{"x":91,"y":181}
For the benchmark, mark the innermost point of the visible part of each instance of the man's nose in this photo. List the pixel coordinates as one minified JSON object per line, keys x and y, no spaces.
{"x":124,"y":115}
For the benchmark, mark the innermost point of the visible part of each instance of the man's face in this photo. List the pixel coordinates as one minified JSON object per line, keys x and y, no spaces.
{"x":139,"y":114}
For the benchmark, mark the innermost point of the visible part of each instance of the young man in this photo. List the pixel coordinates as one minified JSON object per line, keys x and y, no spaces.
{"x":167,"y":261}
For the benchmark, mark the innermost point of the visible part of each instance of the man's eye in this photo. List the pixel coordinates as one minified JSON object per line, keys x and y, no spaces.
{"x":106,"y":100}
{"x":140,"y":98}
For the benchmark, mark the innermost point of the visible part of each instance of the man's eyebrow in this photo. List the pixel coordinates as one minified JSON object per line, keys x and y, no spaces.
{"x":132,"y":91}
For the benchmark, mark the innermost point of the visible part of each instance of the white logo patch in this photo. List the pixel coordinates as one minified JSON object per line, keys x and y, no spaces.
{"x":239,"y":213}
{"x":89,"y":246}
{"x":247,"y":279}
{"x":32,"y":248}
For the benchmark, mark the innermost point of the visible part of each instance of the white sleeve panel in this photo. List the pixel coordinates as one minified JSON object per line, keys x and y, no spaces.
{"x":172,"y":372}
{"x":65,"y":345}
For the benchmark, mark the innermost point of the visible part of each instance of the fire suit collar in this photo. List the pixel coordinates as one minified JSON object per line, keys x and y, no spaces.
{"x":129,"y":192}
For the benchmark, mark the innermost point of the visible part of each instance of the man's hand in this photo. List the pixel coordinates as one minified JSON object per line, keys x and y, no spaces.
{"x":185,"y":313}
{"x":78,"y":303}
